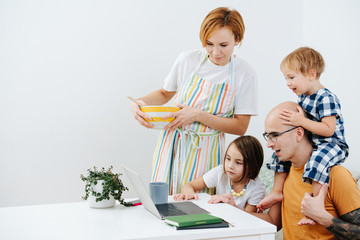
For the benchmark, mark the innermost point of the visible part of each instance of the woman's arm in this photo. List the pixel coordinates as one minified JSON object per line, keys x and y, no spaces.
{"x":236,"y":125}
{"x":158,"y":97}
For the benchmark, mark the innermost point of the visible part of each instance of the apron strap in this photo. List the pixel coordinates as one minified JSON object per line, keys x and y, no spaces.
{"x":204,"y":57}
{"x":232,"y":70}
{"x":193,"y":133}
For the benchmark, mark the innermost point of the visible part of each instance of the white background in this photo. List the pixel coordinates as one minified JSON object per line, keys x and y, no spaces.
{"x":67,"y":66}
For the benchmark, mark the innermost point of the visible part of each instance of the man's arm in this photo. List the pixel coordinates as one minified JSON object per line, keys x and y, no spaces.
{"x":347,"y":227}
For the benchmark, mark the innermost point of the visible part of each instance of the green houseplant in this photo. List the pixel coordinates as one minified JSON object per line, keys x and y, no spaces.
{"x":103,"y":186}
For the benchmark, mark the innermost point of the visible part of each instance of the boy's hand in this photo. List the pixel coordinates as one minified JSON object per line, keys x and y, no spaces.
{"x":292,"y":118}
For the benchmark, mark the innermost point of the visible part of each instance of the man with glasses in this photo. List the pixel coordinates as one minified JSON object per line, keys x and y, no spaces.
{"x":273,"y":135}
{"x":336,"y":209}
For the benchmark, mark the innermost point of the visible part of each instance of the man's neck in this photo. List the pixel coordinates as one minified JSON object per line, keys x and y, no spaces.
{"x":302,"y":154}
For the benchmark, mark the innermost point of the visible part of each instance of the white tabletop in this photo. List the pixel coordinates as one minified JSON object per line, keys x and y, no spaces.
{"x":79,"y":221}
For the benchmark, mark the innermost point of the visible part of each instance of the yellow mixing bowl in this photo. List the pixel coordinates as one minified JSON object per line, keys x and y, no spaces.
{"x":157,"y":112}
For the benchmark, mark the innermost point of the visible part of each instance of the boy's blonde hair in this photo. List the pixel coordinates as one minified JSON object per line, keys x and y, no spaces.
{"x":219,"y":18}
{"x":303,"y":60}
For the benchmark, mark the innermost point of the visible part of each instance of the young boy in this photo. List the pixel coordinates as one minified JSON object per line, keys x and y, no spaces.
{"x":302,"y":69}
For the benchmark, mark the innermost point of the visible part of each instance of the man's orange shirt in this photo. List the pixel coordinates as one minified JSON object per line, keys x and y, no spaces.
{"x":343,"y":196}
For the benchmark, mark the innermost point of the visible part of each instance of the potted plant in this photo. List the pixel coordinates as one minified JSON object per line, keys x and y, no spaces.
{"x":103,"y":187}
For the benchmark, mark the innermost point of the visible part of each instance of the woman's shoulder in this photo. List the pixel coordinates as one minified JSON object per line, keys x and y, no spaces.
{"x":243,"y":67}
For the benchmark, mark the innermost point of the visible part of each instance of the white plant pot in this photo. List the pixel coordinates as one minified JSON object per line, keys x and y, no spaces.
{"x":102,"y":204}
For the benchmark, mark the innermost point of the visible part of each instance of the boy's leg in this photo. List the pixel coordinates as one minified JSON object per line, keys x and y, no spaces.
{"x":276,"y":194}
{"x":318,"y":167}
{"x":281,"y":169}
{"x":315,"y":189}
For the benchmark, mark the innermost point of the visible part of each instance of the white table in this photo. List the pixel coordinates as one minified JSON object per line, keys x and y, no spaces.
{"x":79,"y":221}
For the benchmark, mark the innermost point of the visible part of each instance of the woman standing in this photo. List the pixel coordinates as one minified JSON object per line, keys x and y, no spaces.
{"x":217,"y":94}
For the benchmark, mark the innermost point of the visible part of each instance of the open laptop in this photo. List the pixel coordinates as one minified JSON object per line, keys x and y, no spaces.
{"x":160,"y":210}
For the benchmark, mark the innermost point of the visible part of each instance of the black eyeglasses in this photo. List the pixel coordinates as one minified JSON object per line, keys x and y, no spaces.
{"x":273,"y":136}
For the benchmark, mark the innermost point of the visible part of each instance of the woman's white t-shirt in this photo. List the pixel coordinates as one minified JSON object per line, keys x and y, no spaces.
{"x":255,"y":189}
{"x":245,"y":81}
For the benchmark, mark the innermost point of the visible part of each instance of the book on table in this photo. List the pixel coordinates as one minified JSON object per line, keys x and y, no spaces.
{"x":222,"y":224}
{"x":192,"y":220}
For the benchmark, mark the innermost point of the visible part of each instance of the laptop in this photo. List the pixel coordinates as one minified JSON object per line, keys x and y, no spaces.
{"x":160,"y":210}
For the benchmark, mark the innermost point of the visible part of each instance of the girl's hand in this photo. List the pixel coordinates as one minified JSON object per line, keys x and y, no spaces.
{"x":139,"y":115}
{"x":225,"y":198}
{"x":184,"y":196}
{"x":292,"y":118}
{"x":184,"y":116}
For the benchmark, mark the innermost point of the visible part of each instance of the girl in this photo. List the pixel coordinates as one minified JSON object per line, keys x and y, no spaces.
{"x":217,"y":94}
{"x":236,"y":182}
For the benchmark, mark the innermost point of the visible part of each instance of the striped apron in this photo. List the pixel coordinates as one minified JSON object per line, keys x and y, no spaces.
{"x":188,"y":152}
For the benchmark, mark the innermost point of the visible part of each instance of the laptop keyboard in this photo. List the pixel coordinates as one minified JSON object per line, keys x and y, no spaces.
{"x":169,"y":210}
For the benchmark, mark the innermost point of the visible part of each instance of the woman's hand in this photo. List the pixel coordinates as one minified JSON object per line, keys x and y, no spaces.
{"x":225,"y":198}
{"x":139,"y":115}
{"x":184,"y":116}
{"x":235,"y":125}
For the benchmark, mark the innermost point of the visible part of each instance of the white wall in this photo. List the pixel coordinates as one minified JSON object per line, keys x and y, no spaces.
{"x":67,"y":67}
{"x":332,"y":27}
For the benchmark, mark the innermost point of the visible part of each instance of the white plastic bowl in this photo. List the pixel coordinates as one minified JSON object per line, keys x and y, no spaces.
{"x":157,"y":112}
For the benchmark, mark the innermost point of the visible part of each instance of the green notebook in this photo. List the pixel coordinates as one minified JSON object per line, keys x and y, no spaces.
{"x":222,"y":224}
{"x":192,"y":220}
